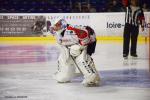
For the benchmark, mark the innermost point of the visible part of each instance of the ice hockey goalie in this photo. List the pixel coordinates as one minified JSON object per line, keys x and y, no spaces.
{"x":76,"y":47}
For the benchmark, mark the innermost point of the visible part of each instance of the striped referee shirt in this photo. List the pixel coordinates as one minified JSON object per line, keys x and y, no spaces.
{"x":134,"y":15}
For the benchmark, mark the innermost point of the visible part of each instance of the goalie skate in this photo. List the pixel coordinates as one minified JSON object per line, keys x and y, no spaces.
{"x":59,"y":79}
{"x":92,"y":81}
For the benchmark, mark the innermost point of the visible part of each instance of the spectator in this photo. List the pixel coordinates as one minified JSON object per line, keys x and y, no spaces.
{"x":145,"y":8}
{"x":115,"y":6}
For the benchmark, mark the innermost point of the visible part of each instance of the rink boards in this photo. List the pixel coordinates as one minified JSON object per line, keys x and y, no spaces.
{"x":51,"y":39}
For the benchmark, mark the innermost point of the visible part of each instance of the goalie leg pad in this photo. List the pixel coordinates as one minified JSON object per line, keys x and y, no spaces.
{"x":87,"y":67}
{"x":66,"y":68}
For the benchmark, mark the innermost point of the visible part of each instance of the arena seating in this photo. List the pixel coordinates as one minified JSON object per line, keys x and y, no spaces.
{"x":55,"y":6}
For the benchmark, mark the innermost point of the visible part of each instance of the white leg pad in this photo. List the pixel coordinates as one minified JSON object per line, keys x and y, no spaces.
{"x":87,"y":67}
{"x":66,"y":68}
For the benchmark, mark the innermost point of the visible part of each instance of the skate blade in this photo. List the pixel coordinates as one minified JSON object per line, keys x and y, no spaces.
{"x":134,"y":58}
{"x":92,"y":85}
{"x":125,"y":58}
{"x":63,"y":82}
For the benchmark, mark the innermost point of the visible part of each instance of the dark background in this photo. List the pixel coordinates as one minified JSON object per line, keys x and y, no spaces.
{"x":65,"y":6}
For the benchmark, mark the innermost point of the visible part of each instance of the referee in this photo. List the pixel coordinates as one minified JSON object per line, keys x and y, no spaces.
{"x":134,"y":17}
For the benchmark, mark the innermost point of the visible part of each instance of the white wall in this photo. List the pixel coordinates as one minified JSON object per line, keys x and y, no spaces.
{"x":104,"y":24}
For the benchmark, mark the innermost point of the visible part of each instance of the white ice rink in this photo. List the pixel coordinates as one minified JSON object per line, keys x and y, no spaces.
{"x":25,"y":74}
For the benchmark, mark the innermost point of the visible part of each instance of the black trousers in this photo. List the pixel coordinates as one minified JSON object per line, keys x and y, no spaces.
{"x":130,"y":33}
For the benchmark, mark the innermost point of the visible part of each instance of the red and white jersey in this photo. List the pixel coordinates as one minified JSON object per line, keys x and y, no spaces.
{"x":66,"y":37}
{"x":75,"y":35}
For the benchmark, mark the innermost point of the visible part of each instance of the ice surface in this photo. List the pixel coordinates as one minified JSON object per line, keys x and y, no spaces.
{"x":25,"y":74}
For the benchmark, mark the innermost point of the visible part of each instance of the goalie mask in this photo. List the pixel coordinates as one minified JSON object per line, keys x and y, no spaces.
{"x":59,"y":26}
